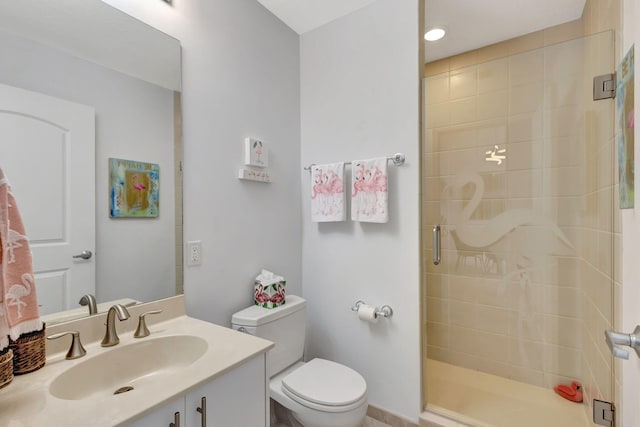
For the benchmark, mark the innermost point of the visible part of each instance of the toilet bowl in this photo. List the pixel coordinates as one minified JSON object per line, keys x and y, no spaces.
{"x":318,"y":393}
{"x":331,"y":400}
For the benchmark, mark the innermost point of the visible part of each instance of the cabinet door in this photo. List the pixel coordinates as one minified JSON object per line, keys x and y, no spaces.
{"x":236,"y":399}
{"x":162,"y":416}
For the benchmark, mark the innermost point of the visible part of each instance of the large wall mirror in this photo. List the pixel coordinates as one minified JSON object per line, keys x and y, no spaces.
{"x":81,"y":83}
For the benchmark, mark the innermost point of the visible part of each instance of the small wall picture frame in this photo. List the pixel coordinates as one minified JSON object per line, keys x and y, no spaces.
{"x":256,"y":153}
{"x":133,"y":189}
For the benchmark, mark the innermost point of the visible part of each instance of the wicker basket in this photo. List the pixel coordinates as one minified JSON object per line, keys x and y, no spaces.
{"x":28,"y":352}
{"x":6,"y":367}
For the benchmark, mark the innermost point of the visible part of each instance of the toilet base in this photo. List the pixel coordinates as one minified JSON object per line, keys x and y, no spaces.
{"x":282,"y":417}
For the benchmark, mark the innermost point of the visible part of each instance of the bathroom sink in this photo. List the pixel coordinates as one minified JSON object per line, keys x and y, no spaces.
{"x":127,"y":368}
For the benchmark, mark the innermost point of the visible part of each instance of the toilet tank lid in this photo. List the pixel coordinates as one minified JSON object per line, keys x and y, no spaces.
{"x":256,"y":315}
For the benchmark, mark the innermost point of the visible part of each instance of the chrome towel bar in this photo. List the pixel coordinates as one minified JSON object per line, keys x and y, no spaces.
{"x":397,"y":159}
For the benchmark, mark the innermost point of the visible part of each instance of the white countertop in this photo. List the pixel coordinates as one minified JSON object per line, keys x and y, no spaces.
{"x":26,"y":402}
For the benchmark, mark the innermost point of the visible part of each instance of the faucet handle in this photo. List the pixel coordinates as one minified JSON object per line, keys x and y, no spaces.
{"x":142,"y":330}
{"x":76,"y":349}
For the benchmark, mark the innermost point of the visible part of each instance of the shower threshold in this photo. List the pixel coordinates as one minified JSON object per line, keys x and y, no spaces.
{"x":467,"y":397}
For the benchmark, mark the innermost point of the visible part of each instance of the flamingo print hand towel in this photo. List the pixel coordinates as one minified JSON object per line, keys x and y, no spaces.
{"x":327,"y":193}
{"x":369,"y":201}
{"x":19,"y":312}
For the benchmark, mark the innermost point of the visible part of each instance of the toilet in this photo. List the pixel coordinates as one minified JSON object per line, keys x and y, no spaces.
{"x":318,"y":393}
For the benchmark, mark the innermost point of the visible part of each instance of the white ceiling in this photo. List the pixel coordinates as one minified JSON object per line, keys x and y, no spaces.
{"x":470,"y":23}
{"x":95,"y":31}
{"x":305,"y":15}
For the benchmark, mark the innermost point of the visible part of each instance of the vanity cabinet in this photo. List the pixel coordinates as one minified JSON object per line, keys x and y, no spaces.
{"x":238,"y":398}
{"x":162,"y":416}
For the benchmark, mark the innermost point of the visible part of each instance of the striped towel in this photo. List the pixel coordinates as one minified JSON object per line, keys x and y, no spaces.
{"x":19,"y":312}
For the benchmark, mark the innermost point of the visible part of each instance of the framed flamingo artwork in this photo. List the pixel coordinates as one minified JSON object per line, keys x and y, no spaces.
{"x":626,"y":124}
{"x":255,"y":153}
{"x":133,"y":189}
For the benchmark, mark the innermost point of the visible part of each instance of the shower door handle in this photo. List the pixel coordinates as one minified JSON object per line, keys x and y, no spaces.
{"x":436,"y":245}
{"x":617,"y":338}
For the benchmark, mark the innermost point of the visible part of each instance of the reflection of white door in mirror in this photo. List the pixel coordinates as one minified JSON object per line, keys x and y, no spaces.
{"x":54,"y":186}
{"x":87,"y":52}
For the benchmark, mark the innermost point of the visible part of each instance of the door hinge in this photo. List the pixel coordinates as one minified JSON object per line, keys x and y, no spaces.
{"x":604,"y":413}
{"x":604,"y":86}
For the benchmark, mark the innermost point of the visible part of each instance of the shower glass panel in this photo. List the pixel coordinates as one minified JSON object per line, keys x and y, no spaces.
{"x":519,"y":173}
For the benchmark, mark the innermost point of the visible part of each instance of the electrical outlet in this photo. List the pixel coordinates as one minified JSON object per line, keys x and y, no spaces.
{"x":194,"y":252}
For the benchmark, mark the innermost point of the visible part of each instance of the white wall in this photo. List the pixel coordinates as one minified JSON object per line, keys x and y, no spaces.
{"x":630,"y":374}
{"x":104,"y":35}
{"x":359,"y":99}
{"x":134,"y":120}
{"x":240,"y":79}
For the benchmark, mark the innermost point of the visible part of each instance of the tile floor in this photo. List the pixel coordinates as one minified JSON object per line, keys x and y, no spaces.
{"x":279,"y":412}
{"x":489,"y":400}
{"x":370,"y":422}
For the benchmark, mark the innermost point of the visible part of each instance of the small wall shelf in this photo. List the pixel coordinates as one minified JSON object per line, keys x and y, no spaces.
{"x":254,"y":175}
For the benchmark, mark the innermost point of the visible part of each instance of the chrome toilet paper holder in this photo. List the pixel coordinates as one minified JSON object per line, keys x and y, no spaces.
{"x":385,"y":310}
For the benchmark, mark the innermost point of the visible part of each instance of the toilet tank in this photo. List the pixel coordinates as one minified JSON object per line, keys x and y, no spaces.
{"x":284,"y":325}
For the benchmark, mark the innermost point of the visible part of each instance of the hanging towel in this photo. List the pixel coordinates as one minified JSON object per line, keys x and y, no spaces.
{"x":369,"y":191}
{"x":19,"y":312}
{"x":327,"y":193}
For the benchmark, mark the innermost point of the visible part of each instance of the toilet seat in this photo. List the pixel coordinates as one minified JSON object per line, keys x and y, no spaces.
{"x":325,"y":386}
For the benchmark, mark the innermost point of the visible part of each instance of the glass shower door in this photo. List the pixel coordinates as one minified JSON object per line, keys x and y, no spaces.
{"x":519,"y":173}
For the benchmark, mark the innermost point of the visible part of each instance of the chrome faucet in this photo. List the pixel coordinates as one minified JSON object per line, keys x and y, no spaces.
{"x":89,"y":300}
{"x":110,"y":335}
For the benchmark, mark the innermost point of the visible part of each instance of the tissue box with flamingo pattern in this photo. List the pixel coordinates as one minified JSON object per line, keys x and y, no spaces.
{"x":269,"y":290}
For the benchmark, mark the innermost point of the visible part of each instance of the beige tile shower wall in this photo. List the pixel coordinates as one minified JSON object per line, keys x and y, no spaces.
{"x":528,"y":42}
{"x":602,"y":15}
{"x":597,"y":258}
{"x":602,"y":262}
{"x":547,"y":330}
{"x":598,"y":16}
